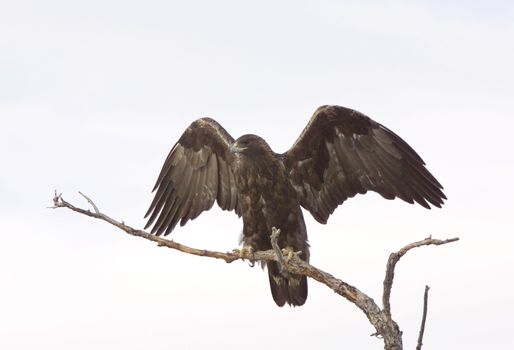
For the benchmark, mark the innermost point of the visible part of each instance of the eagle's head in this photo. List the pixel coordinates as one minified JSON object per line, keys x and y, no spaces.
{"x":250,"y":145}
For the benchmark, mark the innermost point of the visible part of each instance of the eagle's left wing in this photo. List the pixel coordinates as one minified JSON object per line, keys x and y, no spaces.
{"x":197,"y":172}
{"x":342,"y":152}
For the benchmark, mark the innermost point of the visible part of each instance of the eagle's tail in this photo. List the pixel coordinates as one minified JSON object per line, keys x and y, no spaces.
{"x":291,"y":289}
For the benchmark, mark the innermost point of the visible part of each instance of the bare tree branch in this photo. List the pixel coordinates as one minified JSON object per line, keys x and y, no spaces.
{"x":391,"y":264}
{"x":59,"y":202}
{"x":423,"y":319}
{"x":275,"y":232}
{"x":380,"y":319}
{"x":90,"y":202}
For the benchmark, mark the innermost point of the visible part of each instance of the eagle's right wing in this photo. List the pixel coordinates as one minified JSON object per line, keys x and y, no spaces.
{"x":196,"y":172}
{"x":342,"y":152}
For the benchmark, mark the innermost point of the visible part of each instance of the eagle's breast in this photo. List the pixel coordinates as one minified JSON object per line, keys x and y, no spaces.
{"x":266,"y":197}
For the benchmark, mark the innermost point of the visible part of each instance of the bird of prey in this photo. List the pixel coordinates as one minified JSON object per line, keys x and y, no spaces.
{"x":341,"y":152}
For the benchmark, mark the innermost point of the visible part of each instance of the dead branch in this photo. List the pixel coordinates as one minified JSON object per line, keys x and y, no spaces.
{"x":275,"y":232}
{"x":423,"y":319}
{"x":391,"y":264}
{"x":381,"y":319}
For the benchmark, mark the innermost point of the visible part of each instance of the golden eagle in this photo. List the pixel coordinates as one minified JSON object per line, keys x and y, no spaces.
{"x":340,"y":153}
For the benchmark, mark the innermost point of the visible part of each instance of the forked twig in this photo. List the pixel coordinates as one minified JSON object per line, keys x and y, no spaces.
{"x":393,"y":260}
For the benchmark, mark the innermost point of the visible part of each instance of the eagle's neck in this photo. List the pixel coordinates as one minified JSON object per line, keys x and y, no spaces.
{"x":264,"y":165}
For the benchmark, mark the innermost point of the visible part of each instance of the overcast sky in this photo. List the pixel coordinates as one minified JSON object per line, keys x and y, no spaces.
{"x":94,"y":94}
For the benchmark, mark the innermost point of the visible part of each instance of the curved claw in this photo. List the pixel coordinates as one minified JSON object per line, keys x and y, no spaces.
{"x":245,"y":251}
{"x":288,"y":253}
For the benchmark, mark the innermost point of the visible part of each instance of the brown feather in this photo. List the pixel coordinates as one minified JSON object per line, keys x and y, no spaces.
{"x":190,"y":180}
{"x":353,"y":154}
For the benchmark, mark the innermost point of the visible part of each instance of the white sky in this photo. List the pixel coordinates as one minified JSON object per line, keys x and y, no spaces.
{"x":94,"y":94}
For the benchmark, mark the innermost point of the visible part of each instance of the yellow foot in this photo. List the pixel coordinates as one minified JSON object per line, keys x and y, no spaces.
{"x":288,"y":253}
{"x":246,"y":252}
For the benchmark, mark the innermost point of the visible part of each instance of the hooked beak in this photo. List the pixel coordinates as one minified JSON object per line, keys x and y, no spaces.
{"x":236,"y":149}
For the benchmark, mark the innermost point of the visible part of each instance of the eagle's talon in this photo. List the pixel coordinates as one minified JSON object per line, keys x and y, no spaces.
{"x":244,"y":252}
{"x":288,"y":253}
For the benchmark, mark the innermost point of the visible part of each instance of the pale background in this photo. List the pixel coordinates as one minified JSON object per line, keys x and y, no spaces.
{"x":94,"y":94}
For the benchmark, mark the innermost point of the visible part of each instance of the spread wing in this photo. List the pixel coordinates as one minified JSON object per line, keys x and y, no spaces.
{"x":196,"y":172}
{"x":342,"y":152}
